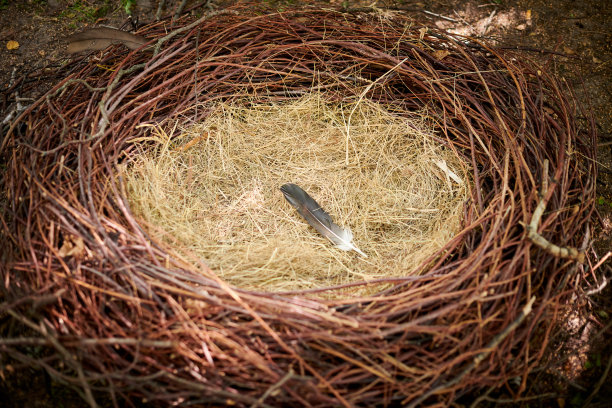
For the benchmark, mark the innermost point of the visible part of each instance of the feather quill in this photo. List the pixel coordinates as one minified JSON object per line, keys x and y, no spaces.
{"x":308,"y":208}
{"x":99,"y":38}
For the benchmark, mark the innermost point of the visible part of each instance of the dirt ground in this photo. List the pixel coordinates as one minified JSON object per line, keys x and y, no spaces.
{"x":578,"y":35}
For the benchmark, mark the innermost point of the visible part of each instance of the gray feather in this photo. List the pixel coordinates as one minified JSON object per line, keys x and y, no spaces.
{"x":99,"y":38}
{"x":308,"y":208}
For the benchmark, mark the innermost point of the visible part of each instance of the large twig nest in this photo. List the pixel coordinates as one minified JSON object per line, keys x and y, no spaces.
{"x":128,"y":315}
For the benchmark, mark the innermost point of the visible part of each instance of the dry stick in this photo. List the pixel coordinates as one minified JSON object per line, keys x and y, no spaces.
{"x":273,"y":388}
{"x":481,"y":356}
{"x":523,"y":399}
{"x":599,"y":288}
{"x":18,"y":107}
{"x":429,"y":13}
{"x":539,"y":240}
{"x":160,"y":7}
{"x":482,"y":397}
{"x":93,"y":342}
{"x":179,"y":9}
{"x":488,"y":23}
{"x":605,"y":280}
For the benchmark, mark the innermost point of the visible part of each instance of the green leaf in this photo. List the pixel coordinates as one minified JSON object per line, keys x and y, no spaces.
{"x":127,"y":5}
{"x":577,"y":400}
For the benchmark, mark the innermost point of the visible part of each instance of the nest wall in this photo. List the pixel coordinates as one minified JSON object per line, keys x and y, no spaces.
{"x":118,"y":313}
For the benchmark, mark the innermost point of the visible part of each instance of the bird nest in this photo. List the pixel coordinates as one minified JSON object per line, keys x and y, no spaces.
{"x":121,"y":308}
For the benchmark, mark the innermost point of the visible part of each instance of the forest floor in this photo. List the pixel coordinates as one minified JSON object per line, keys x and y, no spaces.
{"x":579,"y":33}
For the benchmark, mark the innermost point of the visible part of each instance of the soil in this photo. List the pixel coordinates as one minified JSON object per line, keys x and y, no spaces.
{"x":572,"y":38}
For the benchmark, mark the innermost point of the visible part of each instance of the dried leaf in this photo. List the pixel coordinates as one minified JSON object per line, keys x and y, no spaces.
{"x":567,"y":50}
{"x":12,"y":45}
{"x":96,"y":39}
{"x":448,"y":172}
{"x":73,"y":246}
{"x":528,"y":15}
{"x":422,"y":32}
{"x":441,"y":54}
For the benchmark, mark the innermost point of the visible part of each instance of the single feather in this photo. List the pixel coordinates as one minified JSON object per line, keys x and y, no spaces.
{"x":99,"y":38}
{"x":318,"y":218}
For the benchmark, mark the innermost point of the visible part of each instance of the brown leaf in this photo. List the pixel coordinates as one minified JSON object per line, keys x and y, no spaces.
{"x":422,"y":32}
{"x":441,"y":54}
{"x":96,"y":39}
{"x":567,"y":50}
{"x":73,"y":246}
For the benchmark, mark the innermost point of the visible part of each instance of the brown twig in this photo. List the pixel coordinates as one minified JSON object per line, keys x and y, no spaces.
{"x":539,"y":240}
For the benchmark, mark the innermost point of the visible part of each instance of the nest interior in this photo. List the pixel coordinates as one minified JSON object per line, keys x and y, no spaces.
{"x":212,"y":191}
{"x":128,"y":316}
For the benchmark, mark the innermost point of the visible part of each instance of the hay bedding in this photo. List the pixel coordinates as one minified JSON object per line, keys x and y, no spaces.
{"x":129,"y":316}
{"x":212,"y":191}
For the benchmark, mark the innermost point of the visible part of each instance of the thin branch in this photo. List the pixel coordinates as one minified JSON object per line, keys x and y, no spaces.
{"x":539,"y":240}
